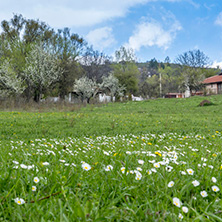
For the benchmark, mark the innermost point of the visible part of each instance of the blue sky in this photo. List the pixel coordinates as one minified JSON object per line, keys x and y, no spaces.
{"x":153,"y":28}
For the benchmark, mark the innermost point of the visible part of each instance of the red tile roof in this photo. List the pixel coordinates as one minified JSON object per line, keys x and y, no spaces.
{"x":213,"y":79}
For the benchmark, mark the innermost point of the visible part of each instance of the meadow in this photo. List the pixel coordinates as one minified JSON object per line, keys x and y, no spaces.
{"x":155,"y":160}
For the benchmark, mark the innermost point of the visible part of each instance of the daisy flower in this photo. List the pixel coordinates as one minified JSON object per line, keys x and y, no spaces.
{"x":170,"y":184}
{"x":177,"y":202}
{"x":156,"y":165}
{"x":190,"y":171}
{"x":19,"y":201}
{"x":196,"y":183}
{"x":33,"y":188}
{"x":141,"y":162}
{"x":185,"y":209}
{"x":123,"y":169}
{"x":214,"y":179}
{"x":36,"y":179}
{"x":203,"y":193}
{"x":86,"y":166}
{"x":215,"y":188}
{"x":108,"y":168}
{"x":180,"y":216}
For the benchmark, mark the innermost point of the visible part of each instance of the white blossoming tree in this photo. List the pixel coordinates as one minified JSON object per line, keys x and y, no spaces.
{"x":111,"y":86}
{"x":86,"y":88}
{"x":42,"y":69}
{"x":10,"y":82}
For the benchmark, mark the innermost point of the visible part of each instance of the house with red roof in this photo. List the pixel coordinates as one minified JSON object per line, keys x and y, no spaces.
{"x":213,"y":84}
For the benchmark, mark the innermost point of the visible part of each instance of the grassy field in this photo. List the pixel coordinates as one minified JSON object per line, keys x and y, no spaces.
{"x":156,"y":160}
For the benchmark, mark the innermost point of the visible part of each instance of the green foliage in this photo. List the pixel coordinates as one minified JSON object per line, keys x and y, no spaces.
{"x":125,"y":70}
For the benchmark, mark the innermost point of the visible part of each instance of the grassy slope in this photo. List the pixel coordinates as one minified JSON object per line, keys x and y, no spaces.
{"x":162,"y":115}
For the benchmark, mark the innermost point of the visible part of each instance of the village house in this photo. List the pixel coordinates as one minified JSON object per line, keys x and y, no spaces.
{"x":213,"y":84}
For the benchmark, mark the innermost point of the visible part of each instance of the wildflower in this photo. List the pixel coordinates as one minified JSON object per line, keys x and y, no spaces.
{"x":128,"y":152}
{"x":33,"y":188}
{"x":36,"y":179}
{"x":170,"y":184}
{"x":15,"y":162}
{"x":86,"y":166}
{"x":153,"y":170}
{"x":190,"y":171}
{"x":45,"y":163}
{"x":149,"y":172}
{"x":62,"y":161}
{"x":169,"y":168}
{"x":180,"y":216}
{"x":214,"y":180}
{"x":123,"y":169}
{"x":19,"y":201}
{"x":156,"y":165}
{"x":196,"y":183}
{"x":138,"y":176}
{"x":185,"y":209}
{"x":215,"y":188}
{"x":23,"y":166}
{"x":108,"y":168}
{"x":139,"y":169}
{"x":183,"y":172}
{"x":106,"y":153}
{"x":203,"y":193}
{"x":177,"y":202}
{"x":141,"y":162}
{"x":158,"y":153}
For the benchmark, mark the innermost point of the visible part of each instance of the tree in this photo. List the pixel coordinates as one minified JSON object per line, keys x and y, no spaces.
{"x":194,"y":59}
{"x":86,"y":88}
{"x":95,"y":64}
{"x":10,"y":83}
{"x":111,"y":86}
{"x":42,"y":69}
{"x":126,"y":70}
{"x":193,"y":64}
{"x":152,"y":86}
{"x":68,"y":48}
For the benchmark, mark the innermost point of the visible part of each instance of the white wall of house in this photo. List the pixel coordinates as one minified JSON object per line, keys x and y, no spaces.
{"x":211,"y":88}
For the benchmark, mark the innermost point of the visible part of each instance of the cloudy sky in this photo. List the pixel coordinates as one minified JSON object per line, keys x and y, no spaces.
{"x":153,"y":28}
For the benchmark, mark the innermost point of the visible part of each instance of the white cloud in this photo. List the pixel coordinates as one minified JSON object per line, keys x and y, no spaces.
{"x":70,"y":13}
{"x":101,"y":38}
{"x":216,"y":64}
{"x":219,"y":19}
{"x":153,"y":33}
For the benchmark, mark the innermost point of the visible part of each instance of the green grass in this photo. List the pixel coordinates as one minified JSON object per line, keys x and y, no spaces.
{"x":156,"y":116}
{"x":164,"y":133}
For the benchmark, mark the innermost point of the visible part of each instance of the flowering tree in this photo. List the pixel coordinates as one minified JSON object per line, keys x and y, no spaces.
{"x":42,"y":69}
{"x":86,"y":88}
{"x":112,"y":86}
{"x":10,"y":83}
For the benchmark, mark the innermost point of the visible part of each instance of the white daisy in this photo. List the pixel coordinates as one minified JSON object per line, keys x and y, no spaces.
{"x":86,"y":166}
{"x":19,"y":201}
{"x":170,"y":184}
{"x":177,"y":202}
{"x":36,"y":179}
{"x":196,"y":183}
{"x":203,"y":193}
{"x":215,"y":188}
